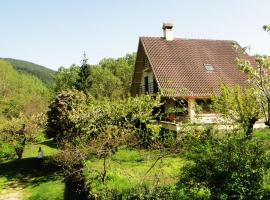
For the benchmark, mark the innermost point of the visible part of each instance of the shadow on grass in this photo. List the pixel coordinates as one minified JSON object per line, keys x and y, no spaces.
{"x":28,"y":172}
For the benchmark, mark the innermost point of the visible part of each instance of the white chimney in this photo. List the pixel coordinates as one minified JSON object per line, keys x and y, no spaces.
{"x":167,"y":31}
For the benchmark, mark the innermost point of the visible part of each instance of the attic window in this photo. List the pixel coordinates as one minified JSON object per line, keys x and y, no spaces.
{"x":209,"y":68}
{"x":146,"y":63}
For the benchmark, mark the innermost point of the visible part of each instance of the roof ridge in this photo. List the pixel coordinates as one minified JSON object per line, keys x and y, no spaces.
{"x":196,"y":39}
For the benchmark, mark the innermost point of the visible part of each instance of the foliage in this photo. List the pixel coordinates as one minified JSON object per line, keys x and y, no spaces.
{"x":122,"y":68}
{"x":6,"y":150}
{"x":228,"y":168}
{"x":84,"y":80}
{"x":74,"y":114}
{"x":105,"y":84}
{"x":66,"y":78}
{"x":59,"y":122}
{"x":240,"y":105}
{"x":20,"y":93}
{"x":267,"y":28}
{"x":110,"y":78}
{"x":41,"y":72}
{"x":259,"y":77}
{"x":18,"y":131}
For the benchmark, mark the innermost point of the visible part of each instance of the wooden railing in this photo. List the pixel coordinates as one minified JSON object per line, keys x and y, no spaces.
{"x":150,"y":88}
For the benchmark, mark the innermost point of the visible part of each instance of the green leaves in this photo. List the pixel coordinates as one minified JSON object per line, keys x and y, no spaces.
{"x":111,"y":78}
{"x":229,"y":167}
{"x":20,"y":93}
{"x":238,"y":104}
{"x":73,"y":114}
{"x":267,"y":28}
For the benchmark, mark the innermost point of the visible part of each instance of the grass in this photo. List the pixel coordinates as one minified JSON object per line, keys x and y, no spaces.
{"x":45,"y":183}
{"x":128,"y":168}
{"x":263,"y":134}
{"x":46,"y":190}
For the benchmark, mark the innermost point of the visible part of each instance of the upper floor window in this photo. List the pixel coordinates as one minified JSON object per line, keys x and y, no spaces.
{"x":146,"y":63}
{"x":146,"y":84}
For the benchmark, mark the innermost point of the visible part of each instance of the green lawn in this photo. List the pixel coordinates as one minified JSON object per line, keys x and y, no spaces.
{"x":128,"y":168}
{"x":26,"y":180}
{"x":263,"y":134}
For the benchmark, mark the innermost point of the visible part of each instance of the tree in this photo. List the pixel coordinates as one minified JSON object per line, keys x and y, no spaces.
{"x":59,"y":123}
{"x":84,"y":81}
{"x":122,"y":68}
{"x":17,"y":132}
{"x":66,"y":78}
{"x":105,"y":84}
{"x":240,"y":105}
{"x":259,"y":76}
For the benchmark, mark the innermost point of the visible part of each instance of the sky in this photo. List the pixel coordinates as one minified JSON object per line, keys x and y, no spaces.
{"x":56,"y":33}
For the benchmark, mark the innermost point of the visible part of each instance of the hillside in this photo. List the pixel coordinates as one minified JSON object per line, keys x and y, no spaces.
{"x":43,"y":73}
{"x":20,"y":92}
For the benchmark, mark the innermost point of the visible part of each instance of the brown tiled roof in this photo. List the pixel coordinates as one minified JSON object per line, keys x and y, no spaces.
{"x":178,"y":65}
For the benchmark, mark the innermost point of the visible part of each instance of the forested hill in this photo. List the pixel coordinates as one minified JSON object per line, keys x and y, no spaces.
{"x":43,"y":73}
{"x":20,"y":93}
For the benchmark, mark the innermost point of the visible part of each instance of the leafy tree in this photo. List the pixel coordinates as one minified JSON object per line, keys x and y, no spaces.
{"x":17,"y":132}
{"x":59,"y":124}
{"x":66,"y":78}
{"x":240,"y":105}
{"x":122,"y":68}
{"x":105,"y":84}
{"x":110,"y":78}
{"x":259,"y":77}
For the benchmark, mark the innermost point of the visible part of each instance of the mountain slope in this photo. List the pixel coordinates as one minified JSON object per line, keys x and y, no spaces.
{"x":43,"y":73}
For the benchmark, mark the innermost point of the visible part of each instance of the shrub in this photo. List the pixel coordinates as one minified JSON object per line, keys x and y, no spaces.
{"x":59,"y":122}
{"x":229,"y":167}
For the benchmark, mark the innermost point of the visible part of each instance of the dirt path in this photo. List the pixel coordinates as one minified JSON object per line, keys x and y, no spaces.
{"x":12,"y":191}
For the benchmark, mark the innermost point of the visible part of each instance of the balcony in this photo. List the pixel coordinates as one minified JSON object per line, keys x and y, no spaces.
{"x":150,"y":88}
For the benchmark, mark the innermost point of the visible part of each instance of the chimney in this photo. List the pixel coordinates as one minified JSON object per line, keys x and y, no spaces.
{"x":167,"y":31}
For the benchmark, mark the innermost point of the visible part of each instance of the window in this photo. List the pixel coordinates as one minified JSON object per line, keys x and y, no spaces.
{"x":146,"y":84}
{"x":155,"y":86}
{"x":209,"y":68}
{"x":146,"y":63}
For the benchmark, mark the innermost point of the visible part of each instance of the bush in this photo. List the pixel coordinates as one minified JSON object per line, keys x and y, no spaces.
{"x":229,"y":168}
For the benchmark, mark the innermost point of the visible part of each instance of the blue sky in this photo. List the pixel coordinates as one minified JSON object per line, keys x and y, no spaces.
{"x":55,"y":33}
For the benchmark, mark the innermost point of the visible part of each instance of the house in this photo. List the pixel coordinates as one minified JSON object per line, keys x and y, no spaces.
{"x":186,"y":71}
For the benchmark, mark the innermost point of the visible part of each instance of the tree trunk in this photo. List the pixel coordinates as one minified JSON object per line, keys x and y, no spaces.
{"x":103,"y":175}
{"x":19,"y":150}
{"x":249,"y":127}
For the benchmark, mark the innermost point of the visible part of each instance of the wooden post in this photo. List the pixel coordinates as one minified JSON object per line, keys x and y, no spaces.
{"x":191,"y":108}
